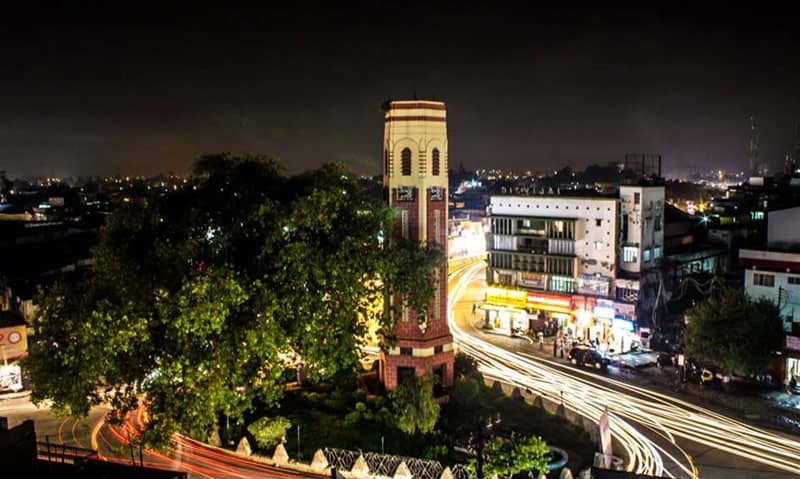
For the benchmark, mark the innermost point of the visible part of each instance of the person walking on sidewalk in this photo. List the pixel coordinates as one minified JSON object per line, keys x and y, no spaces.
{"x":563,"y":345}
{"x":541,"y":341}
{"x":555,"y":348}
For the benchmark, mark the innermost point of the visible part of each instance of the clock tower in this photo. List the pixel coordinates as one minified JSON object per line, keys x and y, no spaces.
{"x":415,"y":180}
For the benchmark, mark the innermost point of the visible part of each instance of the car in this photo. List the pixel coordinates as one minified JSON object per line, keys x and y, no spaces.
{"x":588,"y":358}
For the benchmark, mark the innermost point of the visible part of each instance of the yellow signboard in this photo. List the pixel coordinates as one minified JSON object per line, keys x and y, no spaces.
{"x":507,"y":297}
{"x":13,"y":342}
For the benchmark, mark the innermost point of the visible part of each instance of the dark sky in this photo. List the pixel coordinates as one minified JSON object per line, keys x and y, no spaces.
{"x":147,"y":90}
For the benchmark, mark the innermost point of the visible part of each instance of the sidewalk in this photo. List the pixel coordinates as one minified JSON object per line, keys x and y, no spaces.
{"x":771,"y":409}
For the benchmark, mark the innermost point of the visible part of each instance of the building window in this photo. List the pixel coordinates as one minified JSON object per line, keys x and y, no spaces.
{"x":562,"y":284}
{"x":405,"y":351}
{"x":435,"y":163}
{"x":598,"y":222}
{"x":657,"y":225}
{"x":629,"y":254}
{"x":794,"y":279}
{"x":386,"y":170}
{"x":598,"y":245}
{"x":405,"y":162}
{"x":646,"y":255}
{"x":760,"y":279}
{"x":438,"y":349}
{"x":636,"y":197}
{"x":656,"y":252}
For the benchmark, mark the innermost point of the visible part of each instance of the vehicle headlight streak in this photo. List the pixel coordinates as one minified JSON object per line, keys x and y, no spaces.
{"x":581,"y":397}
{"x":669,"y":417}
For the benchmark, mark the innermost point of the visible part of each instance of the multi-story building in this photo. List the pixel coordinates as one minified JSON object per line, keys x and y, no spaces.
{"x":774,"y":274}
{"x":415,"y":178}
{"x":573,"y":262}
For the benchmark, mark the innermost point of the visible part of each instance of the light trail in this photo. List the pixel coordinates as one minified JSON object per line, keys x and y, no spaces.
{"x":665,"y":418}
{"x":644,"y":455}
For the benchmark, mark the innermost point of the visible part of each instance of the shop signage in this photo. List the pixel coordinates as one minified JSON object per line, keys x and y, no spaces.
{"x":624,"y":310}
{"x":533,"y":280}
{"x":549,"y":302}
{"x":622,"y":324}
{"x":792,"y":343}
{"x":604,"y":312}
{"x":13,"y":342}
{"x":588,"y":284}
{"x":506,"y":297}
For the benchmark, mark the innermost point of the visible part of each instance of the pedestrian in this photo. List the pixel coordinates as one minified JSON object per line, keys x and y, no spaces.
{"x":563,"y":345}
{"x":555,"y":348}
{"x":541,"y":341}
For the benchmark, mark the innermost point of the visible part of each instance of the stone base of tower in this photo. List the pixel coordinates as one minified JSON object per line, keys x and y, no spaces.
{"x":395,"y":365}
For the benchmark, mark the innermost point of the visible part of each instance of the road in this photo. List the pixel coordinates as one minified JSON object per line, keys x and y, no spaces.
{"x":113,"y":444}
{"x":660,"y":434}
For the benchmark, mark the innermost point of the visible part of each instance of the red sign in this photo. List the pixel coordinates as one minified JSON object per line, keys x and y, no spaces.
{"x":792,"y":343}
{"x":548,"y":299}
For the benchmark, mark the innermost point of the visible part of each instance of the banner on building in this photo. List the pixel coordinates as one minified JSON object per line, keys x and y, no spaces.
{"x":10,"y":378}
{"x":533,"y":280}
{"x":598,"y":286}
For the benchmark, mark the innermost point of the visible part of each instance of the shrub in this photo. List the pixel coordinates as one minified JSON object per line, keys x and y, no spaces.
{"x":268,"y":432}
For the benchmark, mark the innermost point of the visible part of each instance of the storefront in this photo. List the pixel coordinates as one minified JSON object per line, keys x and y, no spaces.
{"x":623,"y":328}
{"x":549,"y":312}
{"x":511,"y":321}
{"x":505,"y":310}
{"x":791,"y":348}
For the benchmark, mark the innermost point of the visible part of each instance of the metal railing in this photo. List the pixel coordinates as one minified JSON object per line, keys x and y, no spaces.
{"x":62,"y":453}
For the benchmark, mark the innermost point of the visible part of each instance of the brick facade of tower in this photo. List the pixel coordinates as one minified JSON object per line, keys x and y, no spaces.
{"x":415,"y":178}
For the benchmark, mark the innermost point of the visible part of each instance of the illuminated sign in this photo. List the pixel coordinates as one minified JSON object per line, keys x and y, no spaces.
{"x":13,"y":342}
{"x":622,"y":324}
{"x":549,"y":302}
{"x":603,"y":312}
{"x":506,"y":297}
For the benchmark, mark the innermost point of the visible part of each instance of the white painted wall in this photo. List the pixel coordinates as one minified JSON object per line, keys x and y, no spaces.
{"x":642,"y":219}
{"x":595,"y":246}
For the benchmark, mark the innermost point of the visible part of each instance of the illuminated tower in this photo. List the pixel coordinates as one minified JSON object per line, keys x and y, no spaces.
{"x":415,"y":178}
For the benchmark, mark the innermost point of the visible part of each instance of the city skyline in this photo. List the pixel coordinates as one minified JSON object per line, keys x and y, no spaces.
{"x":91,"y":93}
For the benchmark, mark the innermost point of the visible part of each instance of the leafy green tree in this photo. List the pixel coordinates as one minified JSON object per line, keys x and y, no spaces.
{"x":199,"y":299}
{"x":512,"y":455}
{"x":269,"y":431}
{"x":415,"y":406}
{"x":733,"y":331}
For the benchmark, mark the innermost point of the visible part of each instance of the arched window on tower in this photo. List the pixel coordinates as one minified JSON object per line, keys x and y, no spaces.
{"x":405,"y":162}
{"x":435,"y":162}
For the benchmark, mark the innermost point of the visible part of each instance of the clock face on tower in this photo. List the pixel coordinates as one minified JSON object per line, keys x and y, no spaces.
{"x":405,"y":193}
{"x":437,"y":193}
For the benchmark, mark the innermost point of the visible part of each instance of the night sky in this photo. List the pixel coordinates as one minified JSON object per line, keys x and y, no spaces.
{"x":144,"y":91}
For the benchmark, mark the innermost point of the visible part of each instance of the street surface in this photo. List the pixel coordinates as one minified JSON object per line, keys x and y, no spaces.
{"x":660,"y":434}
{"x":113,"y":443}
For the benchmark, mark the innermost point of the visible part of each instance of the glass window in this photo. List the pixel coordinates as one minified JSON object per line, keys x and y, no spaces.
{"x":760,"y":279}
{"x":636,"y":198}
{"x":646,"y":255}
{"x":629,"y":254}
{"x":657,"y":252}
{"x":435,"y":162}
{"x":405,"y":162}
{"x":657,"y":224}
{"x":794,"y":279}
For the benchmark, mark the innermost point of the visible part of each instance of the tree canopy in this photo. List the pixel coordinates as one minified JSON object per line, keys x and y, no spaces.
{"x":733,"y":332}
{"x":515,"y":454}
{"x":416,"y":409}
{"x":200,"y":298}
